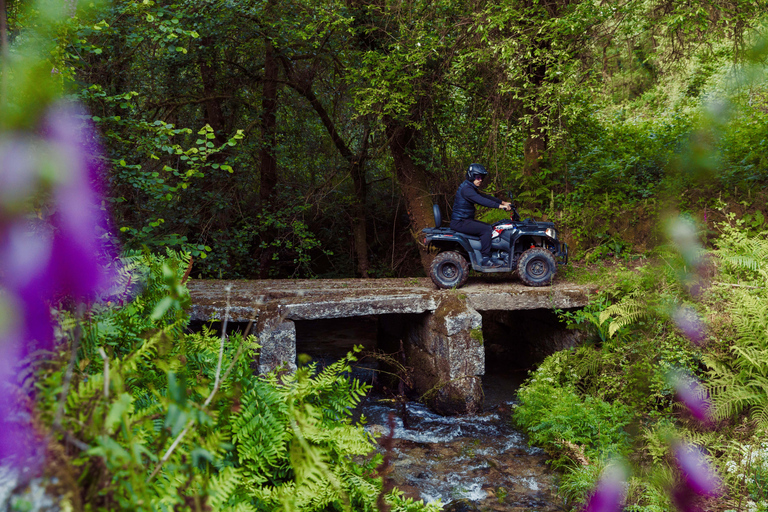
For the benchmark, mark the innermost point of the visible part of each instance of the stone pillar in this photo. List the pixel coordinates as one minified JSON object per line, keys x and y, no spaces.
{"x":445,"y":350}
{"x":277,"y":337}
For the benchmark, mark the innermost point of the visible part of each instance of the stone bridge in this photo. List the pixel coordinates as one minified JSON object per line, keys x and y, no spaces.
{"x":441,"y":330}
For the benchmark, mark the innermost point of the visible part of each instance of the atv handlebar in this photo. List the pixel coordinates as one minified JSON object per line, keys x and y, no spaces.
{"x":515,"y":216}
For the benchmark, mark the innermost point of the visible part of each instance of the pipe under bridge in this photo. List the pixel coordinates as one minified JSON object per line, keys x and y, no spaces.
{"x":441,"y":330}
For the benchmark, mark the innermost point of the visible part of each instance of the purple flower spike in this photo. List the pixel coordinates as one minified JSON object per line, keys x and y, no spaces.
{"x":698,"y":477}
{"x":25,"y":258}
{"x":14,"y":434}
{"x":17,"y":172}
{"x":694,"y":397}
{"x":609,"y":493}
{"x":42,"y":261}
{"x":77,"y":266}
{"x":687,"y":320}
{"x":682,"y":232}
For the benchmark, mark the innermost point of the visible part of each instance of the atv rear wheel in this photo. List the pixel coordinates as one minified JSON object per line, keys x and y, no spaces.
{"x":537,"y":267}
{"x":449,"y":270}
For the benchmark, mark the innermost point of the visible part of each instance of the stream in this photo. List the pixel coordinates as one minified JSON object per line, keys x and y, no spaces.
{"x":467,"y":462}
{"x":478,"y":459}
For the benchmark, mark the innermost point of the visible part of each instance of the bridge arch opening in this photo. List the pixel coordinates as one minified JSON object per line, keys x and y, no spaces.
{"x":326,"y":341}
{"x":515,"y":343}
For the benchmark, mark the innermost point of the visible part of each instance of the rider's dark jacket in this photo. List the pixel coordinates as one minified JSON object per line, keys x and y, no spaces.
{"x":466,"y":198}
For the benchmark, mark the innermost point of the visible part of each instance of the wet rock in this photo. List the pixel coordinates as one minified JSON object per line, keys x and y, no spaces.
{"x":32,"y":497}
{"x":462,"y":505}
{"x":480,"y":459}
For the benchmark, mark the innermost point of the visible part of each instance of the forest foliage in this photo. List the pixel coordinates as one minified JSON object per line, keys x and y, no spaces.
{"x":312,"y":138}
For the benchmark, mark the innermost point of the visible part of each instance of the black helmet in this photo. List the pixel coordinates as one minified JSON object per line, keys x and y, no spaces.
{"x":476,"y":171}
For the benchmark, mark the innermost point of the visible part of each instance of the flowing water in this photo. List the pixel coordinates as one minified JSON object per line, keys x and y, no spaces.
{"x":467,"y":462}
{"x":478,"y":459}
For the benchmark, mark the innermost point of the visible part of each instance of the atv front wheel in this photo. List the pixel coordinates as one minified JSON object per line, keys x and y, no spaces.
{"x":449,"y":270}
{"x":537,"y":267}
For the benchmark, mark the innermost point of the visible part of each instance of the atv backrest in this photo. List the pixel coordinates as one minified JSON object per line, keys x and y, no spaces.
{"x":438,"y":217}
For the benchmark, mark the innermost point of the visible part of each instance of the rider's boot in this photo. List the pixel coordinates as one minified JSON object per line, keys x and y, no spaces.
{"x":490,"y":263}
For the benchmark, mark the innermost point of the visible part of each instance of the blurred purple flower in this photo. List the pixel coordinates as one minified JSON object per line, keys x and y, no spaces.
{"x":14,"y":434}
{"x":688,"y":321}
{"x":698,"y":479}
{"x":693,"y":396}
{"x":25,"y":259}
{"x":78,"y":266}
{"x":41,"y":262}
{"x":682,"y":232}
{"x":17,"y":172}
{"x":609,"y":493}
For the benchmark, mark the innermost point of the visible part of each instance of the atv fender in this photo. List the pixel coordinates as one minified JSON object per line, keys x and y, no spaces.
{"x":446,"y":241}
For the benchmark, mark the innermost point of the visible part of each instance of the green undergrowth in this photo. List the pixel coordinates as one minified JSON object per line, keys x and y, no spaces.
{"x":153,"y":417}
{"x":687,"y":314}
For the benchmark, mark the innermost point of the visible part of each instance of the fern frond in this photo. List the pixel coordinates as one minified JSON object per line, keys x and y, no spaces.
{"x":223,"y":486}
{"x":624,"y":314}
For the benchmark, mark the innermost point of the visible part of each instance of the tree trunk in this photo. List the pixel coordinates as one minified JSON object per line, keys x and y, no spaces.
{"x":3,"y":30}
{"x":213,"y":113}
{"x":269,"y":125}
{"x":360,"y":219}
{"x":535,"y":145}
{"x":413,"y":183}
{"x":536,"y":141}
{"x":268,"y":175}
{"x":4,"y":50}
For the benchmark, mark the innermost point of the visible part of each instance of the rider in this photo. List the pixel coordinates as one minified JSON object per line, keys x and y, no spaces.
{"x":463,"y":218}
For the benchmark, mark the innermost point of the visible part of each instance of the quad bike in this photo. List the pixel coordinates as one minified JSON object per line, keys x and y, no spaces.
{"x":530,"y":247}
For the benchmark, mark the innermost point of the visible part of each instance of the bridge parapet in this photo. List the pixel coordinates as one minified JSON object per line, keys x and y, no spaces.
{"x":443,"y":338}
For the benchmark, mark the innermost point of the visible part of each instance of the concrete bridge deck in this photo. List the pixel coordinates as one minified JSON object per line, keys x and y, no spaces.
{"x":310,"y":299}
{"x":441,"y":330}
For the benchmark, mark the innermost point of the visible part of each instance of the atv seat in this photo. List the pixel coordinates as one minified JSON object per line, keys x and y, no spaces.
{"x":438,"y":217}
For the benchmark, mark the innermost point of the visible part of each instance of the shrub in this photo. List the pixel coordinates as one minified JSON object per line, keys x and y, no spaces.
{"x":564,"y":423}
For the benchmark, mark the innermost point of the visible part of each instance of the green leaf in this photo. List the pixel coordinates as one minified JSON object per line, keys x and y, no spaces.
{"x":116,"y":411}
{"x":161,"y":308}
{"x":200,"y":453}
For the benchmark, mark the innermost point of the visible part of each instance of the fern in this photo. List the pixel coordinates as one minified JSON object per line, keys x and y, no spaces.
{"x":625,"y":313}
{"x":741,"y":384}
{"x":258,"y":444}
{"x":223,"y":486}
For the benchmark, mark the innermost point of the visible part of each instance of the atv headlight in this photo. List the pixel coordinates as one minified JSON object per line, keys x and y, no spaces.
{"x":551,"y":233}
